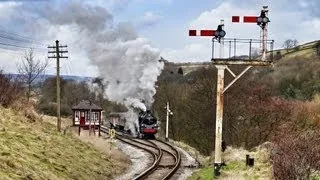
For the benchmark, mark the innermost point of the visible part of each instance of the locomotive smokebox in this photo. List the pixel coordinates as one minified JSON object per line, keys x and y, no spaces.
{"x":148,"y":123}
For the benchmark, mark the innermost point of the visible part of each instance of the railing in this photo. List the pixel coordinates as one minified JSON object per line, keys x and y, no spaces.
{"x":241,"y":49}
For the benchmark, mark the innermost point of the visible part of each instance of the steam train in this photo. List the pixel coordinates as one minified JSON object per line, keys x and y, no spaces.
{"x":148,"y":126}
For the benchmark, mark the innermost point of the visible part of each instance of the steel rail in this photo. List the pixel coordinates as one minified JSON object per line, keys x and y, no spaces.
{"x":177,"y":161}
{"x":157,"y":158}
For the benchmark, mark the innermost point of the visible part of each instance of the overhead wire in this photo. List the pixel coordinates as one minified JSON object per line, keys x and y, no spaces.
{"x":13,"y":43}
{"x":10,"y":40}
{"x":18,"y":46}
{"x":5,"y":36}
{"x":16,"y":35}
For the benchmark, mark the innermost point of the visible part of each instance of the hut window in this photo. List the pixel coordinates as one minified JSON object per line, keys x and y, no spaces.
{"x":87,"y":116}
{"x":95,"y":116}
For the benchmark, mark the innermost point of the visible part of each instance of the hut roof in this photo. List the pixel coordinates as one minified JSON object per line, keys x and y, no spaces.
{"x":85,"y":104}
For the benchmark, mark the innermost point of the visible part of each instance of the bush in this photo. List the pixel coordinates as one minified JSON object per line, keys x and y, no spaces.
{"x":295,"y":155}
{"x":297,"y":78}
{"x":47,"y":108}
{"x":318,"y":48}
{"x":51,"y":109}
{"x":10,"y":90}
{"x":278,"y":56}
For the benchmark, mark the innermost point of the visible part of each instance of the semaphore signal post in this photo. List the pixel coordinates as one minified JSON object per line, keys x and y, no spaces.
{"x":261,"y":21}
{"x":221,"y":62}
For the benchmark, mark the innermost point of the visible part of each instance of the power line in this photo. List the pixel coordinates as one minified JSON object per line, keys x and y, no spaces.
{"x":15,"y":35}
{"x":18,"y":46}
{"x":18,"y":40}
{"x":69,"y":64}
{"x":20,"y":51}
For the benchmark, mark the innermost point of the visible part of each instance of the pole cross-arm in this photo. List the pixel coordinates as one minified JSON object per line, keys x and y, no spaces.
{"x":236,"y":78}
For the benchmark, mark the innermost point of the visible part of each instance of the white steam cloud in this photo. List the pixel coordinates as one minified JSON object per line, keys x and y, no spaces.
{"x":127,"y":63}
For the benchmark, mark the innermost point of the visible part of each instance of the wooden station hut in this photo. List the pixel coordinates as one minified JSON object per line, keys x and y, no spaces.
{"x":81,"y":114}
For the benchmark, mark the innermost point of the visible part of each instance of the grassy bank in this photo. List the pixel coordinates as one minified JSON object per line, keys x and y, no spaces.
{"x":203,"y":174}
{"x":236,"y":168}
{"x":34,"y":150}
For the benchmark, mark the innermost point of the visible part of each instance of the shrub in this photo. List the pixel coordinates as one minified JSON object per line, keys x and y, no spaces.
{"x":51,"y":109}
{"x":295,"y":155}
{"x":10,"y":89}
{"x":278,"y":56}
{"x":318,"y":48}
{"x":47,"y":108}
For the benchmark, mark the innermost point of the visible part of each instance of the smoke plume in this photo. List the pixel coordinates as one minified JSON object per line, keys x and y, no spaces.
{"x":127,"y":63}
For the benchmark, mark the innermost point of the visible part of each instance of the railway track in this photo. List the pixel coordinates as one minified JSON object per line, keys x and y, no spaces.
{"x":166,"y":159}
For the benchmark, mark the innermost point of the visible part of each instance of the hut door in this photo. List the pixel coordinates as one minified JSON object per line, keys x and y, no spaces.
{"x":82,"y":118}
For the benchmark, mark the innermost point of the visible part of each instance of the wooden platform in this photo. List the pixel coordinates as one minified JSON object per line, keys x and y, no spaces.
{"x":241,"y":62}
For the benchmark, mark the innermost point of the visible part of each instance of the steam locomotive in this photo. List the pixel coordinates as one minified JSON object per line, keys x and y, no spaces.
{"x":148,"y":126}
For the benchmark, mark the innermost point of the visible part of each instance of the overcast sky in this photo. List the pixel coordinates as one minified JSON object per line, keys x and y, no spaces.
{"x":164,"y":24}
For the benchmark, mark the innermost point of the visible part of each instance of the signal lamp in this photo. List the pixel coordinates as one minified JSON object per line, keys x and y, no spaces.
{"x":222,"y":33}
{"x":265,"y":20}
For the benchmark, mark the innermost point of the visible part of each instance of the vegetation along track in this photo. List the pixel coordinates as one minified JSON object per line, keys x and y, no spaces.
{"x":166,"y":159}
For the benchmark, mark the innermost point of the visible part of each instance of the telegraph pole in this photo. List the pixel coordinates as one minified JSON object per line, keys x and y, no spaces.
{"x":90,"y":118}
{"x":58,"y":54}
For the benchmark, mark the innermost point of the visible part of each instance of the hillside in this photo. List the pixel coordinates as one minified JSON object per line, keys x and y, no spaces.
{"x":306,"y":50}
{"x":277,"y":104}
{"x":31,"y":149}
{"x":42,"y":77}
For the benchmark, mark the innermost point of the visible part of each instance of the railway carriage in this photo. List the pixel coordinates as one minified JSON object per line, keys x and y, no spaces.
{"x":117,"y":121}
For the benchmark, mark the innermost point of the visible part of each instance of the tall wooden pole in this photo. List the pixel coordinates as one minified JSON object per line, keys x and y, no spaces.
{"x":57,"y":56}
{"x":58,"y":87}
{"x":90,"y":115}
{"x":94,"y":124}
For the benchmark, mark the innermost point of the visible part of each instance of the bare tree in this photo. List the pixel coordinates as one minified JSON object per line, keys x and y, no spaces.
{"x":30,"y":69}
{"x":290,"y":43}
